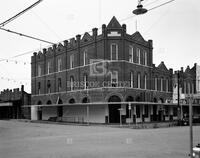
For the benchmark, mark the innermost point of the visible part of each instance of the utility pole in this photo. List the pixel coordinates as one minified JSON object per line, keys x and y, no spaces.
{"x":178,"y":106}
{"x":191,"y":129}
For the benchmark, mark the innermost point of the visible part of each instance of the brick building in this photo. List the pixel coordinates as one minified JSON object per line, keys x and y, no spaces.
{"x":189,"y":86}
{"x":11,"y":104}
{"x":84,"y":73}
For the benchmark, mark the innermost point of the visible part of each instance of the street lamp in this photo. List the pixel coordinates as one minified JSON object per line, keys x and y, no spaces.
{"x":140,"y":10}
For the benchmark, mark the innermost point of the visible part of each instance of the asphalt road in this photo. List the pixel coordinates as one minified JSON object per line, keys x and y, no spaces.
{"x":36,"y":140}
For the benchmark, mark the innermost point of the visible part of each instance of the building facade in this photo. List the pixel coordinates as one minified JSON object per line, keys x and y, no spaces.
{"x":101,"y":68}
{"x":11,"y":104}
{"x":189,"y":86}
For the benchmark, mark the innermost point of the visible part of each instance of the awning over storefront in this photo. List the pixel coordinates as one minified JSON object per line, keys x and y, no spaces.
{"x":103,"y":103}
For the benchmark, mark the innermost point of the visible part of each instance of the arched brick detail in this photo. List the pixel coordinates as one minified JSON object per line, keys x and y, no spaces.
{"x":112,"y":94}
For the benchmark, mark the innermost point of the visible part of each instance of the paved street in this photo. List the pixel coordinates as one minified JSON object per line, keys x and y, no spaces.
{"x":33,"y":140}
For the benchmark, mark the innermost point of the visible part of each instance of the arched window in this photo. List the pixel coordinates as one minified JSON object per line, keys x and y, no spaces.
{"x":72,"y":101}
{"x":85,"y":100}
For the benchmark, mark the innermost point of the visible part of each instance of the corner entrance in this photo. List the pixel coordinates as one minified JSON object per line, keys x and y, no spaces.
{"x":114,"y":113}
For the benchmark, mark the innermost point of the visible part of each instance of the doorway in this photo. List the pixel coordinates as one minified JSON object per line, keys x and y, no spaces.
{"x":114,"y":113}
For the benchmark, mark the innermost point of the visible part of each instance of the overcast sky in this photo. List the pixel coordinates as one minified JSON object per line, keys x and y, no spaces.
{"x":174,"y":29}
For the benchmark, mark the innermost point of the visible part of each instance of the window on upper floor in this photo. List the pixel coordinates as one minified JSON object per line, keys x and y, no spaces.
{"x":48,"y":86}
{"x":161,"y":84}
{"x":114,"y":78}
{"x":145,"y":81}
{"x":49,"y":67}
{"x":167,"y":85}
{"x":145,"y":58}
{"x":59,"y":64}
{"x":85,"y":79}
{"x":39,"y":87}
{"x":138,"y":80}
{"x":192,"y":89}
{"x":188,"y":88}
{"x":59,"y":84}
{"x":131,"y":54}
{"x":198,"y":84}
{"x":39,"y":70}
{"x":71,"y":61}
{"x":131,"y":80}
{"x":156,"y":83}
{"x":138,"y":56}
{"x":71,"y":83}
{"x":85,"y":58}
{"x":114,"y":51}
{"x":185,"y":87}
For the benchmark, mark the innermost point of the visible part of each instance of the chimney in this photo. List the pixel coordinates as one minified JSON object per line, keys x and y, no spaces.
{"x":124,"y":28}
{"x":182,"y":69}
{"x":44,"y":51}
{"x":22,"y":88}
{"x":72,"y":41}
{"x":150,"y":43}
{"x":94,"y":32}
{"x":66,"y":43}
{"x":54,"y":47}
{"x":104,"y":30}
{"x":78,"y":38}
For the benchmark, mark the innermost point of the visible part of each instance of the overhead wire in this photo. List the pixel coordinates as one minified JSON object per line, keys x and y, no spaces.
{"x":127,"y":18}
{"x":20,"y":13}
{"x":16,"y":16}
{"x":45,"y":24}
{"x":28,"y":36}
{"x":67,"y":39}
{"x":151,"y":3}
{"x":161,"y":5}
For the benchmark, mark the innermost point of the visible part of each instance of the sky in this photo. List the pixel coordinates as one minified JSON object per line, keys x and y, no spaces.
{"x":174,"y":29}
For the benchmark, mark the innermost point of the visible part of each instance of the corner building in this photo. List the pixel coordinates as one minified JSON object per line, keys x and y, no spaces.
{"x":97,"y":69}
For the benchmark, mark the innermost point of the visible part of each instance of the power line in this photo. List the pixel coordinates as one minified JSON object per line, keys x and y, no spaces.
{"x":21,"y":34}
{"x":151,"y":3}
{"x":20,"y":13}
{"x":127,"y":18}
{"x":161,"y":5}
{"x":47,"y":26}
